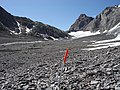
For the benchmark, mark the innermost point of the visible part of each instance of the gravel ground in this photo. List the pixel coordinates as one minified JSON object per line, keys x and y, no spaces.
{"x":37,"y":66}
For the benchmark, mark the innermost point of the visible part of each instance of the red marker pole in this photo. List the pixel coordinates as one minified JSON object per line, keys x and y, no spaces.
{"x":62,"y":66}
{"x":65,"y":56}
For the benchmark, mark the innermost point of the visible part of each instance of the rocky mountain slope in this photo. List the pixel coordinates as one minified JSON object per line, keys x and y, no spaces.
{"x":25,"y":27}
{"x":80,"y":23}
{"x":37,"y":66}
{"x":7,"y":19}
{"x":4,"y":31}
{"x":106,"y":20}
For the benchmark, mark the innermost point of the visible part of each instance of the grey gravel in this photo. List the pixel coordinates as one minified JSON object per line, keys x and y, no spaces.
{"x":37,"y":66}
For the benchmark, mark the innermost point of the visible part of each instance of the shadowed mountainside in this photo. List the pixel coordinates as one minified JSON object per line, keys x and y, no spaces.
{"x":25,"y":27}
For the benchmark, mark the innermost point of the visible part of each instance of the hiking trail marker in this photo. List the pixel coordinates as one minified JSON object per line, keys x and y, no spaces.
{"x":65,"y":56}
{"x":62,"y":66}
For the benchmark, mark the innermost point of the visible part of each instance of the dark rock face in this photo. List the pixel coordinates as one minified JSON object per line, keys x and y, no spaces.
{"x":25,"y":27}
{"x":39,"y":29}
{"x":105,"y":20}
{"x":4,"y":30}
{"x":7,"y":19}
{"x":49,"y":30}
{"x":25,"y":21}
{"x":80,"y":23}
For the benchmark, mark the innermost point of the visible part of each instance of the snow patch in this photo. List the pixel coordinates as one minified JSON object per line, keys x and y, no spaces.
{"x":111,"y":40}
{"x":119,"y":6}
{"x":84,"y":41}
{"x":115,"y":30}
{"x":106,"y":31}
{"x":80,"y":34}
{"x":105,"y":44}
{"x":108,"y":43}
{"x":28,"y":30}
{"x":20,"y":28}
{"x":46,"y":35}
{"x":6,"y":44}
{"x":94,"y":82}
{"x":33,"y":26}
{"x":95,"y":48}
{"x":53,"y":38}
{"x":45,"y":38}
{"x":13,"y":32}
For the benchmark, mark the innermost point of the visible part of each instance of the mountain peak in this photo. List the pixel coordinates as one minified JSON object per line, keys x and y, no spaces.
{"x":80,"y":23}
{"x":107,"y":19}
{"x":83,"y":15}
{"x":117,"y":5}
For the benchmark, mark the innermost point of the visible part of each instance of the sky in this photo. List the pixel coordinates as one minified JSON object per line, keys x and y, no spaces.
{"x":58,"y":13}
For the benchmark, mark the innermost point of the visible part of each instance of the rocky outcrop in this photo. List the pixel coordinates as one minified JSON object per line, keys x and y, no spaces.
{"x":105,"y":20}
{"x":80,"y":23}
{"x":38,"y":29}
{"x":7,"y":19}
{"x":4,"y":31}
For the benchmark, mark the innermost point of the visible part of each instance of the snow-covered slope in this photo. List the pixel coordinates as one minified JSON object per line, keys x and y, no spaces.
{"x":80,"y":34}
{"x":104,"y":44}
{"x":107,"y":43}
{"x":115,"y":30}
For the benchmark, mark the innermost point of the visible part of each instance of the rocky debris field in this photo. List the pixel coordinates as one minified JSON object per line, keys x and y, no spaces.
{"x":38,"y":66}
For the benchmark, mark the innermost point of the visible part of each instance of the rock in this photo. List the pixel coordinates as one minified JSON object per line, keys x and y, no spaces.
{"x":97,"y":72}
{"x":7,"y":19}
{"x":80,"y":23}
{"x":32,"y":87}
{"x":48,"y":88}
{"x":105,"y":20}
{"x":93,"y":82}
{"x":117,"y":87}
{"x":25,"y":87}
{"x":19,"y":26}
{"x":2,"y":70}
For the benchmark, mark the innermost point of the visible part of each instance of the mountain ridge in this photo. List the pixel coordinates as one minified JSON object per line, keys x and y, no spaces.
{"x":106,"y":20}
{"x":80,"y":23}
{"x":24,"y":27}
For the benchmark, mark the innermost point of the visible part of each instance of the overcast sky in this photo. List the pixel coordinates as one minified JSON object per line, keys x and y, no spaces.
{"x":58,"y":13}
